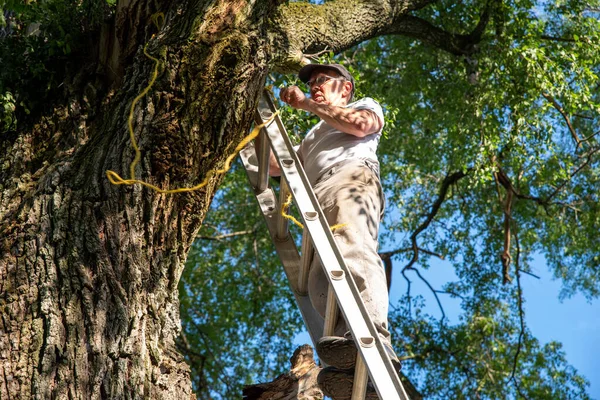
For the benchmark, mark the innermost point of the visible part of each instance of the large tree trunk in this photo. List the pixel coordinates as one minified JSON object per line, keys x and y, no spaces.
{"x":88,"y":270}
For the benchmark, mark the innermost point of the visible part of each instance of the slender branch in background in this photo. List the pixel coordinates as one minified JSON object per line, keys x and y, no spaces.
{"x":432,"y":291}
{"x":577,"y":170}
{"x":521,"y":315}
{"x":502,"y":179}
{"x":529,"y":273}
{"x":557,"y":39}
{"x":562,"y":112}
{"x":388,"y":254}
{"x":315,"y":56}
{"x":185,"y":348}
{"x":409,"y":283}
{"x":446,"y":183}
{"x":584,"y":116}
{"x":451,"y":293}
{"x":227,"y":235}
{"x":207,"y":347}
{"x":589,"y":137}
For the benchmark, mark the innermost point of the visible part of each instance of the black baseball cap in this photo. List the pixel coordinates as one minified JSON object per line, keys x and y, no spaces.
{"x":306,"y":71}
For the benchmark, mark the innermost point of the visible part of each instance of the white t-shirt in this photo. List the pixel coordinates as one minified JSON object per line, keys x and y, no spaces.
{"x":325,"y":145}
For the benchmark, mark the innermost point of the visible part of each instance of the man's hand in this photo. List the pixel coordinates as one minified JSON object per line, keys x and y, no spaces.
{"x":293,"y":96}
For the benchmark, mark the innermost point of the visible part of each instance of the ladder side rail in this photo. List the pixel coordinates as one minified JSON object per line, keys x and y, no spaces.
{"x":263,"y":152}
{"x":286,"y":249}
{"x":374,"y":354}
{"x":283,"y":229}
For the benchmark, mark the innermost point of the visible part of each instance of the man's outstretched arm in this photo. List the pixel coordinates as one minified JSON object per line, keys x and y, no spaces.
{"x":355,"y":122}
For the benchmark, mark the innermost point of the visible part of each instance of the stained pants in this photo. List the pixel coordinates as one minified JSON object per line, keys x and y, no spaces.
{"x":351,"y":194}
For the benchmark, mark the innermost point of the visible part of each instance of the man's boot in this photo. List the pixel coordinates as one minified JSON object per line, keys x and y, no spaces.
{"x":340,"y":352}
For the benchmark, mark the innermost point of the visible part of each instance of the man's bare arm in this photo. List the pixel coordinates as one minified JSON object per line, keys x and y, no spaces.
{"x":355,"y":122}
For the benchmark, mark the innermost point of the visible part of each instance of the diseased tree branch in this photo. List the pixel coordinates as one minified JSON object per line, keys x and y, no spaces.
{"x":501,"y":179}
{"x":521,"y":316}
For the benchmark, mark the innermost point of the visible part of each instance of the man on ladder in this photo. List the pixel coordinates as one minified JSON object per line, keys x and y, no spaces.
{"x":339,"y":157}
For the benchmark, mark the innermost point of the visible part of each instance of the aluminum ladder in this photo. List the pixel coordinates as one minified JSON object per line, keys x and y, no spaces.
{"x":372,"y":359}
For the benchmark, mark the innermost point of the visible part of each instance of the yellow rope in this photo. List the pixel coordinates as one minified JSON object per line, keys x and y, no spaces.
{"x":115,"y":179}
{"x":337,"y":226}
{"x":285,"y":215}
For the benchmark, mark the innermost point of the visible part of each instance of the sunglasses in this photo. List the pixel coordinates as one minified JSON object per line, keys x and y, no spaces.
{"x":322,"y":79}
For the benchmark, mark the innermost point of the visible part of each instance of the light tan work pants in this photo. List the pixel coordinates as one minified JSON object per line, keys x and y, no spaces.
{"x":351,"y":194}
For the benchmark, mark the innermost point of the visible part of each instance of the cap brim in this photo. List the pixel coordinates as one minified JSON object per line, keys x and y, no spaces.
{"x":306,"y":71}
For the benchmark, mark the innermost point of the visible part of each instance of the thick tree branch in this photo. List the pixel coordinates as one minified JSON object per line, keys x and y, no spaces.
{"x":456,"y":44}
{"x":310,"y":28}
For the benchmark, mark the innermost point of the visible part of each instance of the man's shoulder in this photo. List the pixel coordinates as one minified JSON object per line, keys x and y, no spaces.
{"x":365,"y":103}
{"x":368,"y":103}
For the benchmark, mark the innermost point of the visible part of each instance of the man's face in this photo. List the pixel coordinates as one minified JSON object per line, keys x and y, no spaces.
{"x":328,"y":91}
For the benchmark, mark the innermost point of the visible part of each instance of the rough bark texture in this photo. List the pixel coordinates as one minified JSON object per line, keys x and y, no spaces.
{"x":89,"y":271}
